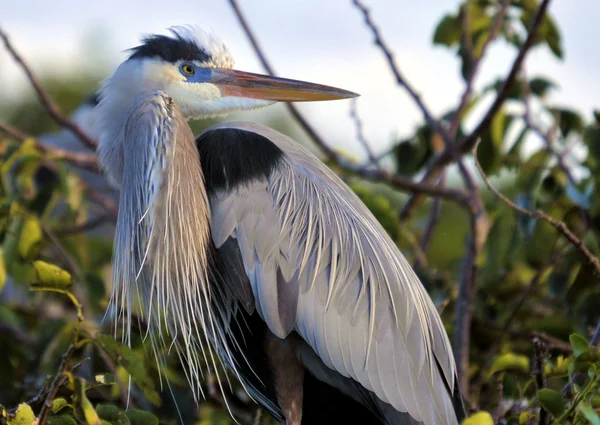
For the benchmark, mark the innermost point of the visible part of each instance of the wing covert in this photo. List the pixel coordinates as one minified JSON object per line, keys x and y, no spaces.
{"x":319,"y":263}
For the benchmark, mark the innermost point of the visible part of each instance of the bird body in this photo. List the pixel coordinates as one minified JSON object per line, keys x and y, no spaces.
{"x":243,"y":237}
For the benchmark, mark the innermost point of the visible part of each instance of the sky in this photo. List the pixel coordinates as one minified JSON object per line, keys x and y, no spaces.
{"x":314,"y":40}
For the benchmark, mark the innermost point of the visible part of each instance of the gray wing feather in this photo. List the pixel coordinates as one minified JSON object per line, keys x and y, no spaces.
{"x":342,"y":283}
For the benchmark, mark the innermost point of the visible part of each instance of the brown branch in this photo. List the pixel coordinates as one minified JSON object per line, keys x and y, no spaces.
{"x":51,"y":106}
{"x":381,"y":176}
{"x":86,"y":161}
{"x":456,"y":150}
{"x":559,"y":225}
{"x":464,"y":308}
{"x":360,"y":134}
{"x":434,"y":217}
{"x":433,"y":123}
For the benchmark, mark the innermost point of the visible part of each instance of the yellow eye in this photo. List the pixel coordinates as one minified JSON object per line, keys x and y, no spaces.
{"x":188,"y":69}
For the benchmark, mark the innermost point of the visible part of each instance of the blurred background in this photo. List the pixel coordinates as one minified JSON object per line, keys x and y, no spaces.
{"x":542,"y":149}
{"x":325,"y":42}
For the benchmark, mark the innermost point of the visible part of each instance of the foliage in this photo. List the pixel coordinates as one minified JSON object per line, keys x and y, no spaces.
{"x":532,"y":284}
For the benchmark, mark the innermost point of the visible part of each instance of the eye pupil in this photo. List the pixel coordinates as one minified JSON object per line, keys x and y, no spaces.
{"x":188,"y":69}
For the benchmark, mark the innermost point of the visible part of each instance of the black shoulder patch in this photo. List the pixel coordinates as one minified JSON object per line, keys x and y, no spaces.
{"x":169,"y":49}
{"x":230,"y":157}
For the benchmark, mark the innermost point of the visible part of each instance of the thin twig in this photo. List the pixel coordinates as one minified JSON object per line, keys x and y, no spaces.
{"x":381,"y":176}
{"x":493,"y":33}
{"x":456,"y":150}
{"x":82,"y":228}
{"x":559,"y":225}
{"x":433,"y":123}
{"x":434,"y":217}
{"x":464,"y":308}
{"x":82,"y":160}
{"x":56,"y":384}
{"x":51,"y":106}
{"x":360,"y":134}
{"x":540,"y":353}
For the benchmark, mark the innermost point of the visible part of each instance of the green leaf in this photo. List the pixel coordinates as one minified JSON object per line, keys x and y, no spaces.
{"x":111,"y":413}
{"x":58,"y":404}
{"x":51,"y":276}
{"x":61,"y":420}
{"x":125,"y":356}
{"x":23,"y":416}
{"x":589,"y":413}
{"x":448,"y":32}
{"x":479,"y":418}
{"x":90,"y":414}
{"x":540,"y":86}
{"x":139,"y":417}
{"x":510,"y":361}
{"x":568,"y":120}
{"x":552,"y":401}
{"x":580,"y":344}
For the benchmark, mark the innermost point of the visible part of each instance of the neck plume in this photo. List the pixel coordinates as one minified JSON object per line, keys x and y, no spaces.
{"x":163,"y":249}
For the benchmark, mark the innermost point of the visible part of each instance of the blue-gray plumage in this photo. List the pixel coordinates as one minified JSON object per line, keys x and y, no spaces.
{"x":246,"y":239}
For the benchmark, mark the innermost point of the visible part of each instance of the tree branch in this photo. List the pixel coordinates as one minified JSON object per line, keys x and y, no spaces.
{"x":456,"y":150}
{"x":51,"y":106}
{"x":397,"y":74}
{"x":381,"y":176}
{"x":86,"y":161}
{"x":360,"y":135}
{"x":559,"y":225}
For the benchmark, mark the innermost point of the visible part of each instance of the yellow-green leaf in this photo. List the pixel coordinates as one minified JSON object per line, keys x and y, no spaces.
{"x":91,"y":417}
{"x":580,"y":344}
{"x":2,"y":270}
{"x":51,"y":276}
{"x":552,"y":401}
{"x":23,"y":416}
{"x":510,"y":361}
{"x":479,"y":418}
{"x":31,"y":236}
{"x":58,"y":404}
{"x":589,"y":413}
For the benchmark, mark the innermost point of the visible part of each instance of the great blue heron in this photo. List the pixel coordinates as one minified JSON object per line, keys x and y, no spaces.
{"x":245,"y":237}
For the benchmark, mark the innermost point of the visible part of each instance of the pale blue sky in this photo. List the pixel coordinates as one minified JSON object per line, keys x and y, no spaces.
{"x":314,"y":40}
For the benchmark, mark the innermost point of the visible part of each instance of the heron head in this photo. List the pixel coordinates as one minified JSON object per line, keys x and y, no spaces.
{"x":195,"y":68}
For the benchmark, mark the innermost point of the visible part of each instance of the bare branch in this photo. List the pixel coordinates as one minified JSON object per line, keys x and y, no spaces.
{"x":86,"y":161}
{"x":475,"y":64}
{"x":381,"y":176}
{"x":559,"y":225}
{"x":360,"y":135}
{"x":456,"y":150}
{"x":51,"y":106}
{"x":464,"y":308}
{"x":434,"y":217}
{"x":397,"y":74}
